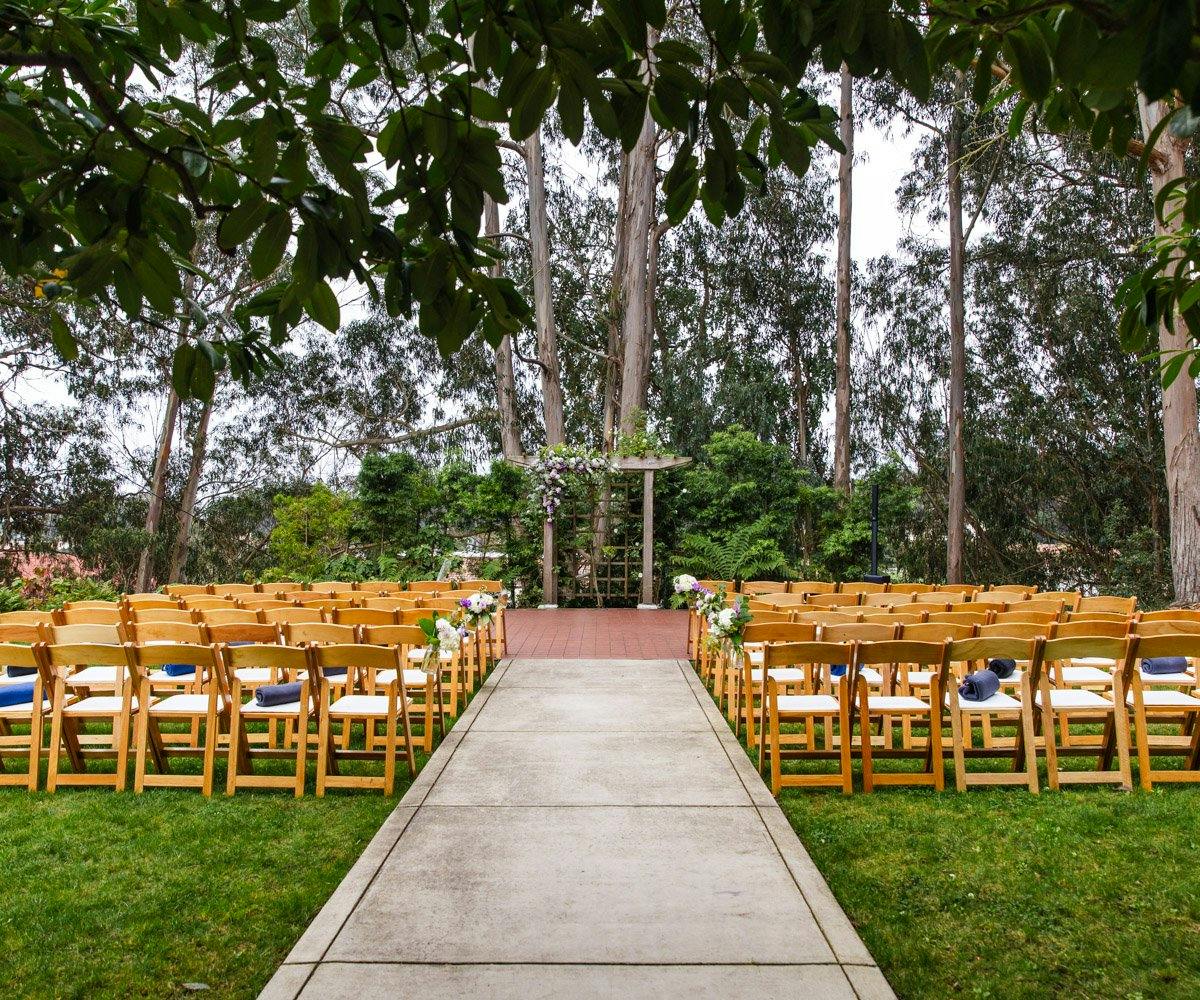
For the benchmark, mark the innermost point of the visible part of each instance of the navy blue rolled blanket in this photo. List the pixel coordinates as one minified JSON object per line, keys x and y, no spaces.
{"x":15,"y":694}
{"x":1002,"y":668}
{"x":179,"y":669}
{"x":22,"y":671}
{"x":276,"y":694}
{"x":837,"y":669}
{"x":1164,"y":665}
{"x":979,"y":686}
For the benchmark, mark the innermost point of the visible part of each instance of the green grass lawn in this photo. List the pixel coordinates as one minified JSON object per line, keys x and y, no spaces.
{"x":124,"y":895}
{"x":1082,"y":893}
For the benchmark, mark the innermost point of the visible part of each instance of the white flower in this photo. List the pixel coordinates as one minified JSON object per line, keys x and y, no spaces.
{"x":725,"y":617}
{"x":684,"y":582}
{"x":448,"y":636}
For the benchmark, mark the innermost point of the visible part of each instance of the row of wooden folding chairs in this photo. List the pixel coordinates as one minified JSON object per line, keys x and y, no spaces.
{"x":82,"y":679}
{"x":373,"y":611}
{"x":380,"y":587}
{"x":798,"y":676}
{"x":1008,"y":593}
{"x":731,"y":678}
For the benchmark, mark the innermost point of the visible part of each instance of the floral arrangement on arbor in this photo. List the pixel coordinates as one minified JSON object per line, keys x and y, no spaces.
{"x":556,"y":466}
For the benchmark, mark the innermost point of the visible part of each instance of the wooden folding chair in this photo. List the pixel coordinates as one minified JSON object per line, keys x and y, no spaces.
{"x":836,"y":600}
{"x":89,"y":616}
{"x":997,"y":600}
{"x":138,"y":614}
{"x":234,"y":589}
{"x":811,"y":587}
{"x":967,"y":588}
{"x":1000,"y":707}
{"x":888,"y":654}
{"x":451,"y":663}
{"x":1167,"y":698}
{"x":209,"y":603}
{"x":27,"y":618}
{"x":228,"y":616}
{"x":263,"y":603}
{"x":862,"y":587}
{"x":1165,"y":626}
{"x":894,"y":616}
{"x":1067,"y":704}
{"x":364,"y":616}
{"x":806,"y":668}
{"x":173,"y":677}
{"x":914,"y":588}
{"x":410,"y":641}
{"x":1069,"y":598}
{"x":1107,"y":605}
{"x":783,"y":601}
{"x":36,"y":676}
{"x":888,"y":599}
{"x":1021,"y":589}
{"x":144,"y":602}
{"x":1044,"y":618}
{"x":91,"y":606}
{"x":391,"y":707}
{"x":941,"y":597}
{"x":1095,"y":672}
{"x":266,"y":664}
{"x":764,"y":587}
{"x":916,"y":682}
{"x":428,"y":587}
{"x":747,"y":679}
{"x":186,"y":589}
{"x":827,"y":617}
{"x":208,"y":706}
{"x":290,"y":615}
{"x":960,"y":617}
{"x":1166,"y":615}
{"x":117,"y":706}
{"x":380,"y":586}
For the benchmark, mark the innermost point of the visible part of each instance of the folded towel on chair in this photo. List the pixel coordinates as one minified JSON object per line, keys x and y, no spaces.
{"x":837,"y":669}
{"x":179,"y":669}
{"x":1165,"y":665}
{"x":276,"y":694}
{"x":22,"y":671}
{"x":979,"y":686}
{"x":16,"y":694}
{"x":1002,"y":668}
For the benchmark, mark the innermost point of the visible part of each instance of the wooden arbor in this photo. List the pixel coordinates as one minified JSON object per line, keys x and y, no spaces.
{"x":647,"y":467}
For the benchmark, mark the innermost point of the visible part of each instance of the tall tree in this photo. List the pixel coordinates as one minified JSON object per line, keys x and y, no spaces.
{"x":957,"y":473}
{"x":1181,"y":435}
{"x":506,"y":386}
{"x":841,"y":420}
{"x":191,"y":487}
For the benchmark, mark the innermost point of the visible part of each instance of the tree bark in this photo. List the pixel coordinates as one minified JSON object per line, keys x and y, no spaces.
{"x":956,"y":479}
{"x":506,"y":385}
{"x":187,"y":504}
{"x":1181,"y":437}
{"x":158,"y":485}
{"x":841,"y":433}
{"x":635,"y":337}
{"x":543,"y":294}
{"x":612,"y":370}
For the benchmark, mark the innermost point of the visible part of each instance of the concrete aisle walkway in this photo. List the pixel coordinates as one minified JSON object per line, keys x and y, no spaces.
{"x":588,"y":829}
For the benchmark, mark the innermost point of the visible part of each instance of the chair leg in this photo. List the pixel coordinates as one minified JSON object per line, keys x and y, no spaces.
{"x":936,"y":763}
{"x":956,"y":736}
{"x":141,"y":738}
{"x":864,"y":728}
{"x":301,"y":747}
{"x":1121,"y":721}
{"x":121,"y":725}
{"x":776,"y":770}
{"x":237,"y":733}
{"x":56,"y":727}
{"x":430,"y":694}
{"x":389,"y":760}
{"x":212,"y":734}
{"x":324,"y":739}
{"x":1143,"y":737}
{"x":1050,"y":738}
{"x":844,"y":749}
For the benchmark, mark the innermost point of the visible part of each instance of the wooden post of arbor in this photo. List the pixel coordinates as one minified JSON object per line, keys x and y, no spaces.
{"x":647,"y":467}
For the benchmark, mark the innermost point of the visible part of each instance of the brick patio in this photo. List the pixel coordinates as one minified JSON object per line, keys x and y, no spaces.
{"x":597,"y":633}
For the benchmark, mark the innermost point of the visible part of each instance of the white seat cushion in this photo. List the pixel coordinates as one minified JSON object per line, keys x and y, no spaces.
{"x":185,"y":704}
{"x":872,"y":676}
{"x":360,"y":705}
{"x":22,"y":711}
{"x":1085,"y":675}
{"x":920,"y":678}
{"x":254,"y":708}
{"x":1072,"y":701}
{"x":418,"y":654}
{"x":897,"y":703}
{"x":999,"y":702}
{"x":94,"y":677}
{"x":1168,"y":699}
{"x":787,"y":675}
{"x":253,"y":675}
{"x":6,"y":679}
{"x":412,"y":678}
{"x":807,"y":704}
{"x":1170,"y":680}
{"x":98,"y":705}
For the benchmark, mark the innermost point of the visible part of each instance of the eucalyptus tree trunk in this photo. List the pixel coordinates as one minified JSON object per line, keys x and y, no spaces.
{"x":506,"y":385}
{"x":636,"y":338}
{"x":611,"y":387}
{"x":158,"y":486}
{"x":841,"y":433}
{"x":187,"y":504}
{"x":956,"y":478}
{"x":800,"y":401}
{"x":1181,"y":438}
{"x":543,"y":293}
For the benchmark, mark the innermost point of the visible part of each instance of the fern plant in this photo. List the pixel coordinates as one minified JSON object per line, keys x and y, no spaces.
{"x":747,"y":553}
